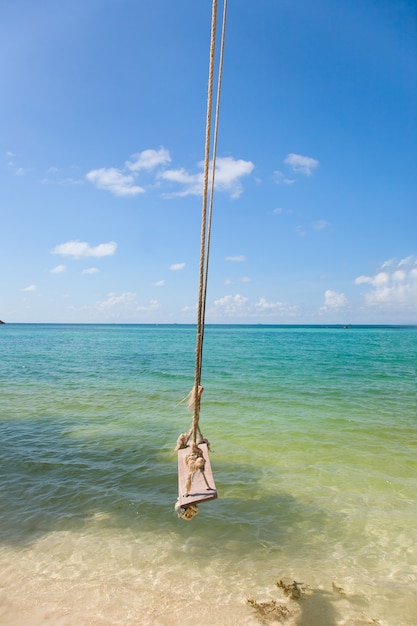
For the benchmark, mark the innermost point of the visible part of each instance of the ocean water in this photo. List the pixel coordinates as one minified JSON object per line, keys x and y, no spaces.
{"x":314,"y":451}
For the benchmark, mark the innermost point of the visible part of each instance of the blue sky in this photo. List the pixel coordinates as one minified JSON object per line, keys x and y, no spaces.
{"x":103,"y":114}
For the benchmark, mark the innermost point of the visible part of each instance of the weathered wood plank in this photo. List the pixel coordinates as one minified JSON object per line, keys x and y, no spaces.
{"x":199,"y":491}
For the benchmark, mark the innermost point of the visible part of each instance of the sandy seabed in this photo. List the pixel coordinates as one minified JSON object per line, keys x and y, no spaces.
{"x":71,"y":579}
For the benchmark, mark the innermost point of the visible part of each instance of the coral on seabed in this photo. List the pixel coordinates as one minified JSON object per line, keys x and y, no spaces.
{"x":311,"y":606}
{"x":268,"y":611}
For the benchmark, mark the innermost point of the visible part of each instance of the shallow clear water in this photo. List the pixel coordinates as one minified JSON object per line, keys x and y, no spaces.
{"x":313,"y":432}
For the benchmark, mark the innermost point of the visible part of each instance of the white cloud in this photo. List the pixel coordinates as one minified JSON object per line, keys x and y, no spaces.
{"x":360,"y":280}
{"x":283,"y":308}
{"x":112,"y":179}
{"x":394,"y":286}
{"x":10,"y":154}
{"x":148,"y":159}
{"x":228,"y":173}
{"x":177,"y":266}
{"x":241,"y":307}
{"x":30,"y":288}
{"x":300,"y":163}
{"x":80,"y":249}
{"x":231,"y":305}
{"x":245,"y":279}
{"x":123,"y":181}
{"x":58,"y":269}
{"x":159,"y":283}
{"x":399,"y":275}
{"x":334,"y":301}
{"x":381,"y":278}
{"x":90,"y":270}
{"x":236,"y":259}
{"x":193,"y":182}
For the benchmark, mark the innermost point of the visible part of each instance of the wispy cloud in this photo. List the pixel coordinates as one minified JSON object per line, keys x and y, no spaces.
{"x":113,"y":299}
{"x":393,"y":286}
{"x":125,"y":305}
{"x":58,"y":269}
{"x":303,"y":164}
{"x":177,"y":266}
{"x":68,"y":181}
{"x":238,"y":306}
{"x":320,"y":224}
{"x":90,"y":270}
{"x":81,"y":249}
{"x":282,"y":308}
{"x":55,"y":175}
{"x":30,"y":288}
{"x":281,"y":179}
{"x":148,"y":160}
{"x":159,"y":283}
{"x":236,"y":259}
{"x":22,"y":171}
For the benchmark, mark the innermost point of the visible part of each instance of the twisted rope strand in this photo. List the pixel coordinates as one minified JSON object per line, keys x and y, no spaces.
{"x":200,"y":320}
{"x":213,"y":170}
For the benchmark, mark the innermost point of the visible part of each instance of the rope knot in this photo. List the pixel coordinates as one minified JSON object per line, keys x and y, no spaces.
{"x":186,"y":512}
{"x":182,"y":441}
{"x":196,"y":463}
{"x":192,"y":397}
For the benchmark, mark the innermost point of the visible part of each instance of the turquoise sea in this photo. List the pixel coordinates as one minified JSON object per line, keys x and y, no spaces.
{"x":314,"y":451}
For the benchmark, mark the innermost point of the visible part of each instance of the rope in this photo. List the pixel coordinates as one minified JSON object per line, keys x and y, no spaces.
{"x":213,"y":169}
{"x":195,"y":460}
{"x":206,"y":221}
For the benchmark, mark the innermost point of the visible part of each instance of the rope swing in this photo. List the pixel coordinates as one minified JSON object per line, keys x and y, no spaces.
{"x":195,"y":479}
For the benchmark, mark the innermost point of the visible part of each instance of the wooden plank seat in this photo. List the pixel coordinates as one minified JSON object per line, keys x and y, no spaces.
{"x":200,"y":490}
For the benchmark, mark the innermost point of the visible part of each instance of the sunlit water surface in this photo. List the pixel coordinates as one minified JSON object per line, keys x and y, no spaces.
{"x":313,"y":432}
